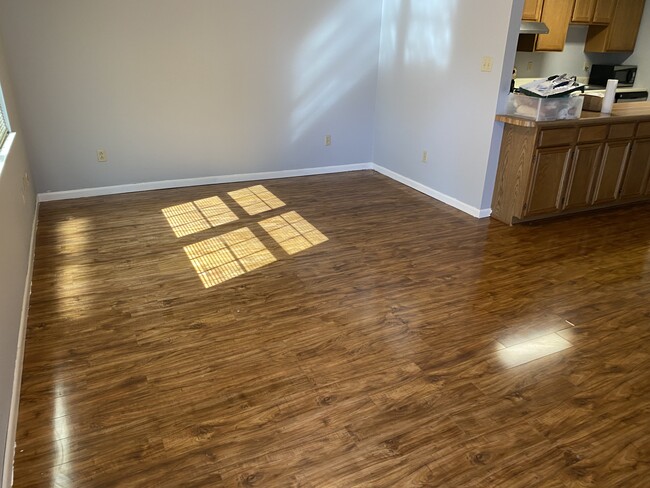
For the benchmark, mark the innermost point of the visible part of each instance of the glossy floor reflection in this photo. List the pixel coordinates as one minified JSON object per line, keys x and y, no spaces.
{"x":532,"y":349}
{"x":348,"y":332}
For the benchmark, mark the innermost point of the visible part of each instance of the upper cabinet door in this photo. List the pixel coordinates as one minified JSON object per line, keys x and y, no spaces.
{"x":604,"y":11}
{"x":532,"y":10}
{"x":593,"y":11}
{"x":620,"y":35}
{"x":556,"y":14}
{"x":583,"y":12}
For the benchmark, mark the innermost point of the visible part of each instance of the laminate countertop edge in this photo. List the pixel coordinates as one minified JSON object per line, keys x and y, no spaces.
{"x":622,"y":112}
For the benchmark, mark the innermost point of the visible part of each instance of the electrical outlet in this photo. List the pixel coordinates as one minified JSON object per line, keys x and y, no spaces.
{"x":587,"y":67}
{"x":425,"y":156}
{"x":529,"y":67}
{"x":102,"y":156}
{"x":328,"y":140}
{"x":486,"y":66}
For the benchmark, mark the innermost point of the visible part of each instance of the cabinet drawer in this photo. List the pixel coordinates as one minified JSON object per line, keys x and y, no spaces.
{"x":557,"y":137}
{"x":621,"y":131}
{"x":592,"y":134}
{"x":643,"y":130}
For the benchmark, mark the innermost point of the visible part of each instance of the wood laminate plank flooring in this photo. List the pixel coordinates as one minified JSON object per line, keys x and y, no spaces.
{"x":346,"y":331}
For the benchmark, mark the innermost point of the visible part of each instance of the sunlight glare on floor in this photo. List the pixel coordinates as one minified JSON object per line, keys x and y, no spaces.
{"x":527,"y":351}
{"x":256,"y":199}
{"x":222,"y":258}
{"x":292,"y":232}
{"x":72,"y":234}
{"x":192,"y":217}
{"x":61,"y":432}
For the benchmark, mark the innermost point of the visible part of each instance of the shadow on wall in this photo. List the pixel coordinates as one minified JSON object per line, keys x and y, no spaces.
{"x":252,"y":87}
{"x":420,"y":32}
{"x":321,"y":79}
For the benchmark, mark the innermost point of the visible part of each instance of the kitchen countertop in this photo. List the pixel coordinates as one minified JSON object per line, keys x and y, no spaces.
{"x":620,"y":112}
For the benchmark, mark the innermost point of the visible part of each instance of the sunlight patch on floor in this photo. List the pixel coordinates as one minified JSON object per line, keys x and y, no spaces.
{"x":256,"y":199}
{"x":222,"y":258}
{"x":192,"y":217}
{"x":292,"y":232}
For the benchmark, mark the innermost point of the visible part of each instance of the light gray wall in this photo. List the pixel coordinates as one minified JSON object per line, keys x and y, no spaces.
{"x":432,"y":94}
{"x":504,"y":91}
{"x":16,"y":219}
{"x":573,"y":58}
{"x":175,"y":89}
{"x":641,"y":55}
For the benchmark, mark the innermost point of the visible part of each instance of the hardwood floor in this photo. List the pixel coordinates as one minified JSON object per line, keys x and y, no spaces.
{"x":343,"y":331}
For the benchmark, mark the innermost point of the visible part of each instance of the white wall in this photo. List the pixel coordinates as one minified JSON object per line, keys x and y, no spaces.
{"x":16,"y":219}
{"x":433,"y":96}
{"x":175,"y":89}
{"x":641,"y":55}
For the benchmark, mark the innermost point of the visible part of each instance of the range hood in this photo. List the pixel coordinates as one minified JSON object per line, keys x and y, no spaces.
{"x":533,"y":28}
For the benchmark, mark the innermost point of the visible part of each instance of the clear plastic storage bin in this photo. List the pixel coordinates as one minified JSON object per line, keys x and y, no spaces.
{"x":544,"y":108}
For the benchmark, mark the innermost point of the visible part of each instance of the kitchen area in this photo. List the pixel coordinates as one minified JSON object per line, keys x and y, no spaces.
{"x":600,"y":157}
{"x":572,"y":49}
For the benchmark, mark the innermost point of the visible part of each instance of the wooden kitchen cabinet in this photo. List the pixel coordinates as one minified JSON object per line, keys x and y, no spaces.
{"x":593,"y":11}
{"x":643,"y":130}
{"x":610,"y":174}
{"x":583,"y":11}
{"x":621,"y":32}
{"x":582,"y":176}
{"x":547,"y":183}
{"x":604,"y":11}
{"x":532,"y":10}
{"x":637,"y":171}
{"x":567,"y":166}
{"x":556,"y":14}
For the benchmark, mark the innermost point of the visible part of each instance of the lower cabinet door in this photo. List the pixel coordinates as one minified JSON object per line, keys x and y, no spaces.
{"x":582,"y":175}
{"x":547,"y":182}
{"x":610,"y":174}
{"x":637,"y":171}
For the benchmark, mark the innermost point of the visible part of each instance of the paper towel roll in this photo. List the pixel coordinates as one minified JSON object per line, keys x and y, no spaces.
{"x":610,"y":95}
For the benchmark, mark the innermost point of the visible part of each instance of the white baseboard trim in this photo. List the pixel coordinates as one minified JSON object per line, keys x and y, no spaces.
{"x":10,"y":446}
{"x":444,"y":198}
{"x":213,"y":180}
{"x":208,"y":180}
